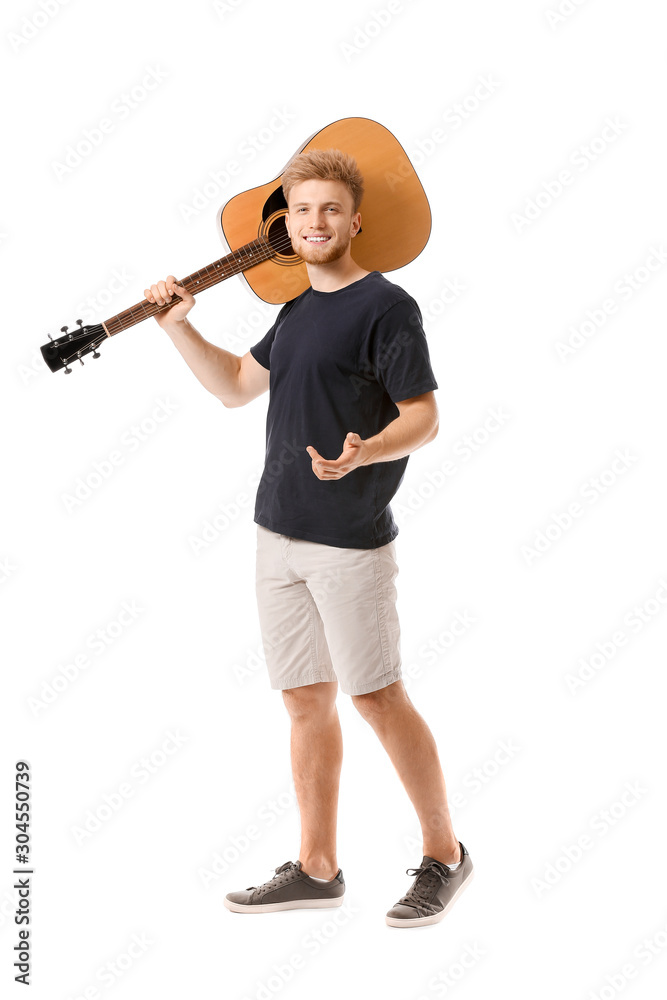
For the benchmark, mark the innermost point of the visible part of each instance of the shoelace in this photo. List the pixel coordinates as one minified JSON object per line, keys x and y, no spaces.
{"x":283,"y":874}
{"x":427,"y":875}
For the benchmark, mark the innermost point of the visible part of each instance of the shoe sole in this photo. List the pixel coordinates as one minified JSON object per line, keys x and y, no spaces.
{"x":434,"y":918}
{"x":291,"y":904}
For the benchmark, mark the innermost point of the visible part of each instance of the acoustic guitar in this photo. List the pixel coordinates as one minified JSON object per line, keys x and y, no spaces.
{"x":396,"y":224}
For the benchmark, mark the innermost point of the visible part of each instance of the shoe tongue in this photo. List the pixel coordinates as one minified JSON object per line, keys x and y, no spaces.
{"x":426,"y":860}
{"x":288,"y":864}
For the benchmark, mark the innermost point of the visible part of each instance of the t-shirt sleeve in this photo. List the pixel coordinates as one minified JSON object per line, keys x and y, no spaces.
{"x":261,"y":351}
{"x":399,"y":354}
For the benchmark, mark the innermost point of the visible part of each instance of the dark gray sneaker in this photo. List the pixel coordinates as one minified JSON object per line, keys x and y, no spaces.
{"x":433,"y":892}
{"x":289,"y":889}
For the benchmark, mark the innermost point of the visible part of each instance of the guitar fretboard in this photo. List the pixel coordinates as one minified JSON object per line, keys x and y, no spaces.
{"x":234,"y":263}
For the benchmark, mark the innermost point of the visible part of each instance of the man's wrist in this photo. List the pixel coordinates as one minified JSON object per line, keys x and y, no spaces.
{"x":176,"y":325}
{"x":374,"y":447}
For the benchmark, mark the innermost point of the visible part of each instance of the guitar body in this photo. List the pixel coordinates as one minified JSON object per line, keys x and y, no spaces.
{"x":395,"y":214}
{"x":395,"y":227}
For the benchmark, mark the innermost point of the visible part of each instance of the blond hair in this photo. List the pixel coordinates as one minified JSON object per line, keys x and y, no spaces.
{"x":324,"y":165}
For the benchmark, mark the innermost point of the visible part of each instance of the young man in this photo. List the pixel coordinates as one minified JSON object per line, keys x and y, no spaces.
{"x":351,"y":396}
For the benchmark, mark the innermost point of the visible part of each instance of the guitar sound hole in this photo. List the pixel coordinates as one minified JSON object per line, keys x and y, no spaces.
{"x":278,"y":237}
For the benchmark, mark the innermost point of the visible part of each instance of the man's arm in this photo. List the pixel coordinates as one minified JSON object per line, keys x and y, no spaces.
{"x":232,"y":379}
{"x":415,"y":425}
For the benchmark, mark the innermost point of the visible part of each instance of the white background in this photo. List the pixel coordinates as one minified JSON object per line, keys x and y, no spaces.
{"x":585,"y":764}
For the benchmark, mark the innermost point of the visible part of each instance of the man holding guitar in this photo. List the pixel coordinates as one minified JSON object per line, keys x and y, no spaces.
{"x":347,"y":368}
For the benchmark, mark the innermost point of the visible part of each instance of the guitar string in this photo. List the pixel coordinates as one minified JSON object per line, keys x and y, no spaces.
{"x":144,"y":313}
{"x":206,"y":282}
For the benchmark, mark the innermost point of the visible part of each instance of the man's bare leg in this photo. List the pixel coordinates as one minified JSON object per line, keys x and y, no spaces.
{"x":413,"y":752}
{"x":316,"y":745}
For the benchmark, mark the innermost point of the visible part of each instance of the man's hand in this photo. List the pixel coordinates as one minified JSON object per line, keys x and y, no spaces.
{"x":415,"y":425}
{"x":355,"y":453}
{"x":162,"y":294}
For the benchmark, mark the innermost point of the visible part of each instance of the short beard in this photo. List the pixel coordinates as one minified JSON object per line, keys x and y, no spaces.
{"x":333,"y":252}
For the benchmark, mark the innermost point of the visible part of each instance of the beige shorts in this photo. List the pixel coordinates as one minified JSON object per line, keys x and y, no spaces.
{"x":327,"y":613}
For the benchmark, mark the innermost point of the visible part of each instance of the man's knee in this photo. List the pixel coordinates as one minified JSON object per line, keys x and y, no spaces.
{"x":375,"y":703}
{"x":310,"y":700}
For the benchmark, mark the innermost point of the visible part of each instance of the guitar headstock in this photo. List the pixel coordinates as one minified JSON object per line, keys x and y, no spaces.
{"x":72,"y":346}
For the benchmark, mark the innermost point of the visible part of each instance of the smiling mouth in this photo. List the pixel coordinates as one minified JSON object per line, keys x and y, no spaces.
{"x":317,"y":239}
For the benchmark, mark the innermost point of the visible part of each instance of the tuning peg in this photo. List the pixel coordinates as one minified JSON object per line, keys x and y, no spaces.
{"x":63,"y":329}
{"x":96,"y":353}
{"x":50,"y":337}
{"x":68,"y":371}
{"x":80,"y":361}
{"x":80,"y":322}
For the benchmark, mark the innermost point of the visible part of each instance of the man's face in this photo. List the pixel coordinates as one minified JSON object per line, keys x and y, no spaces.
{"x":321,"y":221}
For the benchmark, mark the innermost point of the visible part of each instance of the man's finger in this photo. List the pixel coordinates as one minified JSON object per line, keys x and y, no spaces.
{"x":316,"y":457}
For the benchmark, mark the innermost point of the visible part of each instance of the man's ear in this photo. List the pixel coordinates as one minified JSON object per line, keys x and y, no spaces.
{"x":356,"y":222}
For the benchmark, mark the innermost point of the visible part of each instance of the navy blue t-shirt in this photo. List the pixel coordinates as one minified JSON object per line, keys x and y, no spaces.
{"x":339,"y":362}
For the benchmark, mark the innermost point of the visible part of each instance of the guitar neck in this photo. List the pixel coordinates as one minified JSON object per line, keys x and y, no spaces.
{"x":240,"y":260}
